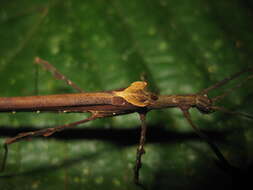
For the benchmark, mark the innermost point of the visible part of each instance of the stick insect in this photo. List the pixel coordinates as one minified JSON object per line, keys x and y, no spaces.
{"x":135,"y":98}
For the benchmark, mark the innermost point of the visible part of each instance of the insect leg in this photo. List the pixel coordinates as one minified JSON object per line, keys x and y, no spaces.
{"x":44,"y":132}
{"x":140,"y":148}
{"x":56,"y":73}
{"x":215,"y":149}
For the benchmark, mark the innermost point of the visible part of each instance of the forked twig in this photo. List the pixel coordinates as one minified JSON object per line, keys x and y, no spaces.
{"x":135,"y":98}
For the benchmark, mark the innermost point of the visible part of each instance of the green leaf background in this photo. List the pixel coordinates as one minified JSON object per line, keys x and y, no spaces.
{"x":180,"y":46}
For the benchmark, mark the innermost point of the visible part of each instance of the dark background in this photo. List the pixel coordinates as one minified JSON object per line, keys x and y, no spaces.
{"x":180,"y":46}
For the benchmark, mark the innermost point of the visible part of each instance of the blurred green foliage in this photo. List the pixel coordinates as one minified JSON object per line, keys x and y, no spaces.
{"x":180,"y":46}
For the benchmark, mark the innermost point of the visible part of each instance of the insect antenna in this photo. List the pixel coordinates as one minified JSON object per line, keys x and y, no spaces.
{"x":227,"y":92}
{"x":218,"y":108}
{"x":225,"y":81}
